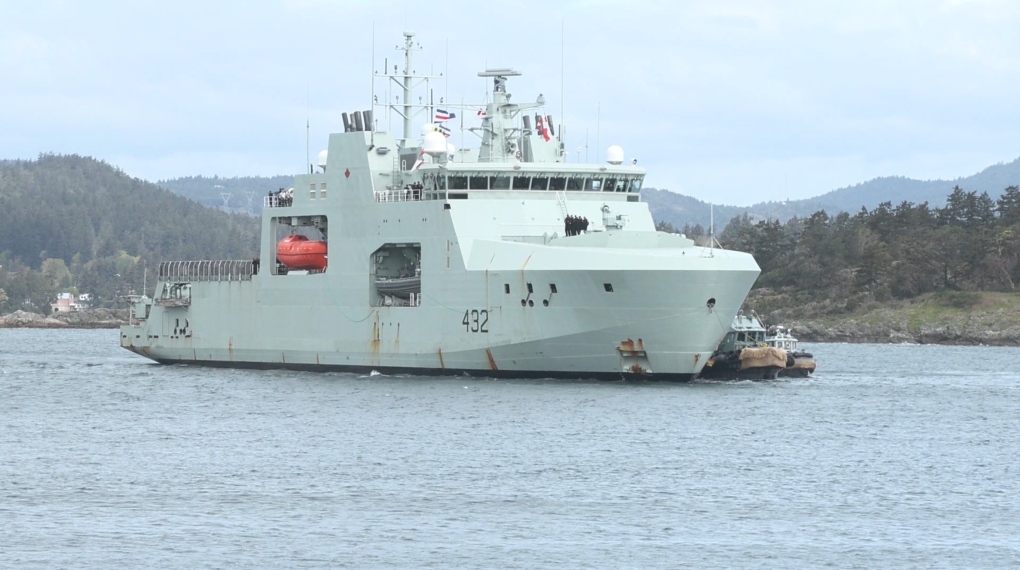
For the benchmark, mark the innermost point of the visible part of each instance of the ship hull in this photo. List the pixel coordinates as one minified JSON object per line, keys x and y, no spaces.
{"x":428,"y":372}
{"x":655,"y":325}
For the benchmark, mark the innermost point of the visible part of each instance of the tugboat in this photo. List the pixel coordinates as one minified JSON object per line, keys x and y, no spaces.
{"x":743,"y":353}
{"x":800,"y":364}
{"x":504,"y":260}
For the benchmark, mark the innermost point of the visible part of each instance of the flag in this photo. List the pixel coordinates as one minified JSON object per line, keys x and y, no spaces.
{"x":483,"y":113}
{"x":541,"y":128}
{"x":443,"y":115}
{"x":443,"y":129}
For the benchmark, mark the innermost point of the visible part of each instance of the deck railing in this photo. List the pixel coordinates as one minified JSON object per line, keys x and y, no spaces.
{"x":275,"y":201}
{"x":404,"y":195}
{"x":207,"y":270}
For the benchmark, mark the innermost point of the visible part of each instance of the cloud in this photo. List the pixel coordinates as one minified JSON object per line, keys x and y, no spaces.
{"x":702,"y":93}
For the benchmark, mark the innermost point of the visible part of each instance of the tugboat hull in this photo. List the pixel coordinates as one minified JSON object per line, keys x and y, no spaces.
{"x":762,"y":363}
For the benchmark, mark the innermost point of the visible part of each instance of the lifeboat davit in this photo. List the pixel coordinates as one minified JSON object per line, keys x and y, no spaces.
{"x":298,"y":252}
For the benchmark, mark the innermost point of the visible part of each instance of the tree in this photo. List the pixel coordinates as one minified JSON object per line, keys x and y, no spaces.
{"x":1008,"y":206}
{"x":955,"y":210}
{"x":56,"y":273}
{"x":664,"y":226}
{"x":875,"y":263}
{"x":693,"y":232}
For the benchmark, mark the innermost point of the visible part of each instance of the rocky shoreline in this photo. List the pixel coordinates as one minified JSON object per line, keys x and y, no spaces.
{"x":891,"y":325}
{"x":854,"y":331}
{"x":88,"y":319}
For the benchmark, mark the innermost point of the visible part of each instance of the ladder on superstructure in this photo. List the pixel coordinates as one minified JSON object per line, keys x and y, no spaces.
{"x":561,"y":199}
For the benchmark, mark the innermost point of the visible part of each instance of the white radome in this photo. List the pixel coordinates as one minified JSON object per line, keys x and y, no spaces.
{"x":614,"y":155}
{"x":434,"y":143}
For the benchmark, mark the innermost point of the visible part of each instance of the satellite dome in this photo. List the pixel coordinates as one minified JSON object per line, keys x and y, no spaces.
{"x":322,"y":158}
{"x":427,"y":128}
{"x":435,"y":143}
{"x":614,"y":155}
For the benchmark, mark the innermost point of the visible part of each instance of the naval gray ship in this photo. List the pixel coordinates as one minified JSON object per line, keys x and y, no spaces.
{"x":408,"y":256}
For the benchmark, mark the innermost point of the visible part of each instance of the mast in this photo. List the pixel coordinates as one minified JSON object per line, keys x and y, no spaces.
{"x":408,"y":49}
{"x":501,"y":138}
{"x":498,"y":144}
{"x":406,"y":81}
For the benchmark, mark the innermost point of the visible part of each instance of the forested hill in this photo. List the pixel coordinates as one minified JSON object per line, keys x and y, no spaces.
{"x":993,"y":180}
{"x":679,"y":210}
{"x":87,"y":224}
{"x":239,"y":194}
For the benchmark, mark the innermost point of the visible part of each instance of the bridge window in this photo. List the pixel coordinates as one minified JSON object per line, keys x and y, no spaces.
{"x":610,"y":185}
{"x":557,"y":183}
{"x":458,"y":182}
{"x":575,"y":183}
{"x":478,"y":182}
{"x":521,"y":182}
{"x":594,"y":184}
{"x":499,"y":182}
{"x":539,"y":183}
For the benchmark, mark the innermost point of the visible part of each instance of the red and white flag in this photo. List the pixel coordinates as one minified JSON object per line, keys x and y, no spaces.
{"x":541,"y":128}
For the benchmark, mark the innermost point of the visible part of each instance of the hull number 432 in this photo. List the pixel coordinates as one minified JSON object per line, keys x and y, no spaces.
{"x":476,"y":321}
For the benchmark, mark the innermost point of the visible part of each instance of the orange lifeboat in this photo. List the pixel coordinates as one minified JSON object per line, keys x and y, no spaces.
{"x":298,"y":252}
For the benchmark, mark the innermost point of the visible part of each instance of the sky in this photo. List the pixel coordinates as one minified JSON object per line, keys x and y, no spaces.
{"x":729,"y":101}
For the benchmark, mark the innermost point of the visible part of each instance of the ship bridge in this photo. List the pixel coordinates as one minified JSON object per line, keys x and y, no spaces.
{"x":536,"y":176}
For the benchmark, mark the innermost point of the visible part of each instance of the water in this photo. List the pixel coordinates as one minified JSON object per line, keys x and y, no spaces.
{"x":892,"y":457}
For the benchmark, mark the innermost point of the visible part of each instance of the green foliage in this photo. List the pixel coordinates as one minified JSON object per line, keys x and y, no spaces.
{"x":959,"y":299}
{"x":1008,"y":206}
{"x":882,"y":294}
{"x":901,"y":252}
{"x":56,"y":273}
{"x":74,"y":222}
